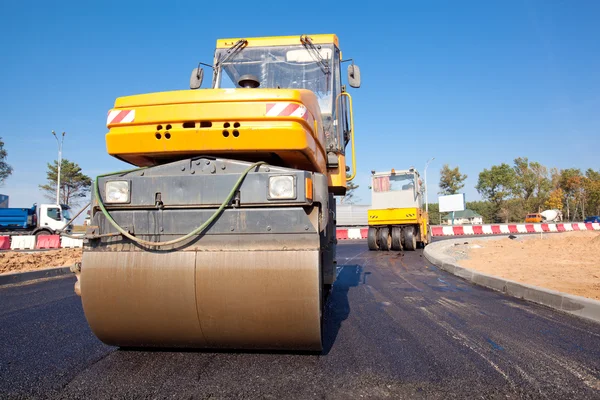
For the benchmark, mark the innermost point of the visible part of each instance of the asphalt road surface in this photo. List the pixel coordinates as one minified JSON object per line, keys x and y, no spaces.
{"x":396,"y":327}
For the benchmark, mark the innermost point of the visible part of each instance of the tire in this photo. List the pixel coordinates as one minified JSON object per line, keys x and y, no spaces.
{"x":385,"y":239}
{"x":410,"y":239}
{"x":372,"y":239}
{"x":43,"y":232}
{"x":396,"y":238}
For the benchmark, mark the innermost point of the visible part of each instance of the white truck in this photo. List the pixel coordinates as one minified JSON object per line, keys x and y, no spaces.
{"x":45,"y":219}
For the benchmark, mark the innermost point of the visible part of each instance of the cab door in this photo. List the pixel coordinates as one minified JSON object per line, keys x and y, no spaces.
{"x":51,"y":217}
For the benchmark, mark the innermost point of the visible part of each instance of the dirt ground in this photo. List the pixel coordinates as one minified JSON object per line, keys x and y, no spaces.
{"x":12,"y":261}
{"x":567,"y":262}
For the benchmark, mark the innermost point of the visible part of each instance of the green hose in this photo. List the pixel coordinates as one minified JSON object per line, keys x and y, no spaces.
{"x":180,"y":239}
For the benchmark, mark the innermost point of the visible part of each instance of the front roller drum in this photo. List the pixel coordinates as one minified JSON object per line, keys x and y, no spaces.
{"x":205,"y":299}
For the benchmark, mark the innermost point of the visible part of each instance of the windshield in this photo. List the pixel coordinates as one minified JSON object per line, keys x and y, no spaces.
{"x":281,"y":67}
{"x":66,"y":213}
{"x":398,"y":182}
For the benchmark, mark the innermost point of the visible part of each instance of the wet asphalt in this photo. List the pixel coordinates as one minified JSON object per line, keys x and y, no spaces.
{"x":395,"y":327}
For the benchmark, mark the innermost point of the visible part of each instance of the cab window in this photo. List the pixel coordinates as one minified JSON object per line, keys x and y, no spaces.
{"x":53,"y":213}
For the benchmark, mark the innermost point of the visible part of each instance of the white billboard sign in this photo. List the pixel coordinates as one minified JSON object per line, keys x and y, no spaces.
{"x":452,"y":202}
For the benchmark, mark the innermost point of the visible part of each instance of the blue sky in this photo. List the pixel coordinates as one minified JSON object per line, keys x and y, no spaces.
{"x":471,"y":83}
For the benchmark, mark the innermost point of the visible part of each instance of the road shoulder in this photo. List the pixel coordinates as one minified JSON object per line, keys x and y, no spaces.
{"x":437,"y":254}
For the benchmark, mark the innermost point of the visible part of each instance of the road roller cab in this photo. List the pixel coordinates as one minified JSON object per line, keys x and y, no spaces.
{"x":396,"y":219}
{"x":225,"y":234}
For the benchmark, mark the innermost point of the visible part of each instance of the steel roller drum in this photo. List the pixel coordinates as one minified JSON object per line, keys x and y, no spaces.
{"x":204,"y":299}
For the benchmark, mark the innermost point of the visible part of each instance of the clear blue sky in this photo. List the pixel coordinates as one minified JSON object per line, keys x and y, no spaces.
{"x":473,"y":83}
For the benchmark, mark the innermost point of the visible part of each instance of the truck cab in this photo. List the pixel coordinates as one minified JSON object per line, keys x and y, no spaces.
{"x":53,"y":217}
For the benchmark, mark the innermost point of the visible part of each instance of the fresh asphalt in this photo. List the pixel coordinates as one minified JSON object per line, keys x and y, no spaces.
{"x":395,"y":327}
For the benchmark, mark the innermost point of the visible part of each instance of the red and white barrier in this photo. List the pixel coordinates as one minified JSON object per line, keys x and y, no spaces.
{"x":351,"y":233}
{"x":40,"y":242}
{"x":505,"y":229}
{"x":47,"y":242}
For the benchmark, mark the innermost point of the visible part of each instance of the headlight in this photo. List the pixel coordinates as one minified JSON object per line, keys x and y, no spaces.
{"x":282,"y":187}
{"x":117,"y":192}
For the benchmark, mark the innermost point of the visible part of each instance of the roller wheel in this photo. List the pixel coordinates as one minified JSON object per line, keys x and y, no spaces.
{"x":372,"y":239}
{"x":410,"y":240}
{"x":385,"y":239}
{"x":396,"y":238}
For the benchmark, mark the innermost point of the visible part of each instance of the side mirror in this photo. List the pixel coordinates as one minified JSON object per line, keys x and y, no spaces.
{"x":354,"y":76}
{"x":196,"y":78}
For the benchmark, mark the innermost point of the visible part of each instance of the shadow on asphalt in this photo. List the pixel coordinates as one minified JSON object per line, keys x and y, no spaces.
{"x":337,"y":308}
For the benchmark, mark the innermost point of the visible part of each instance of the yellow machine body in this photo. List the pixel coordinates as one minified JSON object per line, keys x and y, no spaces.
{"x":397,"y":220}
{"x":204,"y":122}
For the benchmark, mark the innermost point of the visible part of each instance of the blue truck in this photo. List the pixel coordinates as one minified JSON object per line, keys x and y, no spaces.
{"x":45,"y":219}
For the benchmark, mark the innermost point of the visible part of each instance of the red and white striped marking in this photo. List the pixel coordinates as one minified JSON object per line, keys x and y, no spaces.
{"x":120,"y":117}
{"x":352,"y":233}
{"x":469,"y":230}
{"x":505,"y":229}
{"x":285,"y":109}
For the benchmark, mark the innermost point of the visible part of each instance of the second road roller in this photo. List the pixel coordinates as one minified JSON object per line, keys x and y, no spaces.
{"x":223,"y":235}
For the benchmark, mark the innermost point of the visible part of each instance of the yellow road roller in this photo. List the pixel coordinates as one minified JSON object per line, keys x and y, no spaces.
{"x":223,"y":235}
{"x":397,"y":220}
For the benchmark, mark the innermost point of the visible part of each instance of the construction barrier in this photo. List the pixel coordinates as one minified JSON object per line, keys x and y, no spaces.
{"x":4,"y":242}
{"x":506,"y":229}
{"x":341,"y":234}
{"x":67,"y":242}
{"x":48,"y":242}
{"x":25,"y":242}
{"x":354,"y":233}
{"x":473,"y":230}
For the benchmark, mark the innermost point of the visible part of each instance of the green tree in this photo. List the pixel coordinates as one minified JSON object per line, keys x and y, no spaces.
{"x":497,"y":185}
{"x":350,"y":196}
{"x":5,"y":169}
{"x":74,"y":185}
{"x":571,"y":182}
{"x":451,"y":180}
{"x":434,"y":214}
{"x":532,"y":184}
{"x":591,"y":184}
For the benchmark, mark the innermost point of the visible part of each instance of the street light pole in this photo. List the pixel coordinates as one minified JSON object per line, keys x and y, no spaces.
{"x":60,"y":144}
{"x":425,"y":176}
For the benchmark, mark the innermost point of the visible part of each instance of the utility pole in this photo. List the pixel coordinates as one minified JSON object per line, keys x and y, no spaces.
{"x":60,"y":144}
{"x":425,"y":176}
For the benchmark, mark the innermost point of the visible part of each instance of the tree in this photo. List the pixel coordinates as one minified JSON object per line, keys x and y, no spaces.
{"x":532,"y":183}
{"x":571,"y":182}
{"x":451,"y":180}
{"x":434,"y":214}
{"x":5,"y":169}
{"x":74,"y":185}
{"x":349,"y":197}
{"x":555,"y":200}
{"x":591,"y":186}
{"x":497,"y":185}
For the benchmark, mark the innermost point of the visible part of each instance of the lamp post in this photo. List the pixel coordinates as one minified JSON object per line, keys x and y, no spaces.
{"x":425,"y":176}
{"x":60,"y":144}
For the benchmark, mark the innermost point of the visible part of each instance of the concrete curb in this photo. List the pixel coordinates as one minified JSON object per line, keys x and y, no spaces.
{"x":577,"y":305}
{"x":22,"y":277}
